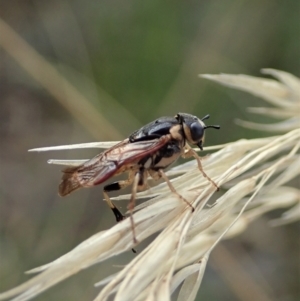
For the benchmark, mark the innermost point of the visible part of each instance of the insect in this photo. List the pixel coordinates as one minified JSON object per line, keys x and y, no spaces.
{"x":146,"y":152}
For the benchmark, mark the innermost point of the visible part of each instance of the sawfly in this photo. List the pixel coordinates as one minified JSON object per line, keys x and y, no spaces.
{"x":146,"y":152}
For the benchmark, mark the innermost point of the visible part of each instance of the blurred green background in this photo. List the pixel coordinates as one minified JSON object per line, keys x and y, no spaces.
{"x":122,"y":64}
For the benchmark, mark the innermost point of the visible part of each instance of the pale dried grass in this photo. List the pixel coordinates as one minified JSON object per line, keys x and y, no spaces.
{"x":252,"y":171}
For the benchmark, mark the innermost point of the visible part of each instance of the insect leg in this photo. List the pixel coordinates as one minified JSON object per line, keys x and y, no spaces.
{"x":113,"y":187}
{"x":172,"y":188}
{"x":132,"y":204}
{"x":189,"y":152}
{"x":138,"y":181}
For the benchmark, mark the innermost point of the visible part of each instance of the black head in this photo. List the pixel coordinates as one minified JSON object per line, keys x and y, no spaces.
{"x":194,"y":128}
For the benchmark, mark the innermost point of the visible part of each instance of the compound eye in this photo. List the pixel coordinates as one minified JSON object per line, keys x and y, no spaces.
{"x":197,"y":131}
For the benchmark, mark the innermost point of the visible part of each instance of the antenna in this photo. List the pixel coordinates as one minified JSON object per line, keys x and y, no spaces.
{"x":205,"y":117}
{"x":217,"y":127}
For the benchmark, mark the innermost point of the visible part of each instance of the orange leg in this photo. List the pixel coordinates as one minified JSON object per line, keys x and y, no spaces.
{"x":189,"y":152}
{"x":160,"y":174}
{"x":113,"y":187}
{"x":131,"y":204}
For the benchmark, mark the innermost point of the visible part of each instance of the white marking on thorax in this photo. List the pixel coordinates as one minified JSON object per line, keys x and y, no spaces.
{"x":148,"y":163}
{"x":165,"y":162}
